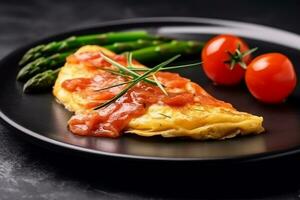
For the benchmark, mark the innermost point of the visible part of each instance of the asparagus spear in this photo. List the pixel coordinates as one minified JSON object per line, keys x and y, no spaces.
{"x":41,"y":64}
{"x":167,"y":50}
{"x":120,"y":47}
{"x":41,"y":82}
{"x":77,"y":41}
{"x":44,"y":63}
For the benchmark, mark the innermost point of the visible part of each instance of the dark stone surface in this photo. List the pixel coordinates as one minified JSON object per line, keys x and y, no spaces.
{"x":28,"y":171}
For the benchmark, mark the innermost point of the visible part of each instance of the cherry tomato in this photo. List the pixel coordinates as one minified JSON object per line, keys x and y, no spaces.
{"x":271,"y":77}
{"x":217,"y":59}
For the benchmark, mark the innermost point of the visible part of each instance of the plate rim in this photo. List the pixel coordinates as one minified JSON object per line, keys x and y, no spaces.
{"x":241,"y":158}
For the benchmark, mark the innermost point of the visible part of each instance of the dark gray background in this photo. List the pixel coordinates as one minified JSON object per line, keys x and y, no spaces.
{"x":28,"y":171}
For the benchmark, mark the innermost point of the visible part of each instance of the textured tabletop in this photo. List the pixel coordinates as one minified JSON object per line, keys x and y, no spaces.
{"x":28,"y":171}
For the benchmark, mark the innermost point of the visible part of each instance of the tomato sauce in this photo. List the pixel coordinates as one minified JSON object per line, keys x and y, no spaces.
{"x":109,"y":121}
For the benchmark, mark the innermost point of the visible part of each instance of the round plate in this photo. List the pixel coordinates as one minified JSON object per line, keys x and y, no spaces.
{"x":41,"y":117}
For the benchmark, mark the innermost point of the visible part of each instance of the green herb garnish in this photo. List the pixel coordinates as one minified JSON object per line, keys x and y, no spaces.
{"x":136,"y":80}
{"x":168,"y":68}
{"x":125,"y":69}
{"x":112,"y":86}
{"x":160,"y":85}
{"x":165,"y":115}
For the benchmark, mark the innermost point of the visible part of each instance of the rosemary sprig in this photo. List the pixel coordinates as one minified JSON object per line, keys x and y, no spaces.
{"x":125,"y":69}
{"x":130,"y":64}
{"x":146,"y":69}
{"x":160,"y":85}
{"x":129,"y":59}
{"x":130,"y":67}
{"x":120,"y":74}
{"x":124,"y":75}
{"x":112,"y":86}
{"x":168,"y":68}
{"x":117,"y":73}
{"x":137,"y":80}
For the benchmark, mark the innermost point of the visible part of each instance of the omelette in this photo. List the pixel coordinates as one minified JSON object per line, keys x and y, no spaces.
{"x":182,"y":109}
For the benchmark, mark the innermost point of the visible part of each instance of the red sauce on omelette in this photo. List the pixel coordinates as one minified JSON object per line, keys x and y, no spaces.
{"x":111,"y":120}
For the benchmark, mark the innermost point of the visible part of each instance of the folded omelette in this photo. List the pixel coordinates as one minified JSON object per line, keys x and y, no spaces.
{"x":86,"y":80}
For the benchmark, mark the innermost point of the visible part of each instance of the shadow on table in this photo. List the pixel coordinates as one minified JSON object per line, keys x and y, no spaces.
{"x":174,"y":180}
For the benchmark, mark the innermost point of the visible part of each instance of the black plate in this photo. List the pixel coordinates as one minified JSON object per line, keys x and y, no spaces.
{"x":42,"y":118}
